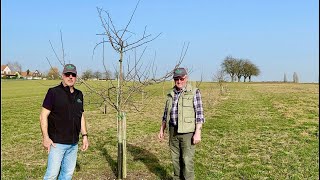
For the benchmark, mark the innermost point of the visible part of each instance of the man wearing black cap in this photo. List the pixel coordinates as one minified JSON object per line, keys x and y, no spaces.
{"x":61,"y":121}
{"x":183,"y":114}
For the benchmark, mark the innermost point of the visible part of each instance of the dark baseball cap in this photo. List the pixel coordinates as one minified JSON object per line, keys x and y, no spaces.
{"x":69,"y":68}
{"x":179,"y":72}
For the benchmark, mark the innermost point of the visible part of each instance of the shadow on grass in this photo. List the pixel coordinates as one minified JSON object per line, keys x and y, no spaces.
{"x":112,"y":163}
{"x":139,"y":154}
{"x":149,"y":160}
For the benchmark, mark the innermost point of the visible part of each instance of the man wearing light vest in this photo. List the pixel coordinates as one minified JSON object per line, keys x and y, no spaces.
{"x":184,"y":116}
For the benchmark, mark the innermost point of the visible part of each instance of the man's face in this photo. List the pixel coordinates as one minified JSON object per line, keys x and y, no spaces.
{"x":180,"y":82}
{"x":69,"y":79}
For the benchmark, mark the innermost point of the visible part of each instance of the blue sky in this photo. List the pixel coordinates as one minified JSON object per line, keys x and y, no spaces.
{"x":280,"y":37}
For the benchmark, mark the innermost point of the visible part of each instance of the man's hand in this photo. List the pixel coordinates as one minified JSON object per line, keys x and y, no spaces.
{"x":196,"y":137}
{"x":197,"y":134}
{"x":161,"y":135}
{"x":47,"y":142}
{"x":85,"y":143}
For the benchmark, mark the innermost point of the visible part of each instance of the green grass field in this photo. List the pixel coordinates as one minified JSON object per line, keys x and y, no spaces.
{"x":254,"y":131}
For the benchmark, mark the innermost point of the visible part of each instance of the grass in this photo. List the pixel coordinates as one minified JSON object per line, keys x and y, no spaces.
{"x":254,"y":131}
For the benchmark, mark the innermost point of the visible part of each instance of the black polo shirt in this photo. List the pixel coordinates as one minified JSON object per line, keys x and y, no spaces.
{"x":64,"y":120}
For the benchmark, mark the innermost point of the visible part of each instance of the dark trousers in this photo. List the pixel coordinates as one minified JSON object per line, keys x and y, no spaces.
{"x":182,"y":153}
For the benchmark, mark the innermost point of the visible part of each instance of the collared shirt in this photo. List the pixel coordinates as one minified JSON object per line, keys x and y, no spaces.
{"x":66,"y":108}
{"x":197,"y":104}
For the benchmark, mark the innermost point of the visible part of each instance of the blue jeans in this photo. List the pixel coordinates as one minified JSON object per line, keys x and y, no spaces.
{"x":62,"y":158}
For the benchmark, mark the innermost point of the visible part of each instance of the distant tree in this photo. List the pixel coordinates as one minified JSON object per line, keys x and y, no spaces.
{"x":108,"y":74}
{"x":285,"y":78}
{"x":229,"y":66}
{"x":53,"y":73}
{"x":15,"y":66}
{"x":239,"y":68}
{"x":97,"y":75}
{"x":28,"y":72}
{"x":87,"y":74}
{"x":247,"y":65}
{"x":254,"y":71}
{"x":220,"y":77}
{"x":17,"y":75}
{"x":295,"y":78}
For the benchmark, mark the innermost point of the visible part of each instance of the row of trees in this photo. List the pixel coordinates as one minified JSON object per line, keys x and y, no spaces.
{"x":238,"y":68}
{"x":89,"y":74}
{"x":54,"y":73}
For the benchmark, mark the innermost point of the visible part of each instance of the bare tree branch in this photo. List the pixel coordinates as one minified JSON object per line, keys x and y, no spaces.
{"x":125,"y":29}
{"x":63,"y":54}
{"x":61,"y":62}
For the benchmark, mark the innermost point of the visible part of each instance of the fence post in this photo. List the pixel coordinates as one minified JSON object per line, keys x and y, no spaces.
{"x":124,"y":144}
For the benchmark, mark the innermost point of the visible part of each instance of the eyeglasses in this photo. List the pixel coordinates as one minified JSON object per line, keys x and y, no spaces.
{"x":70,"y":73}
{"x":181,"y":79}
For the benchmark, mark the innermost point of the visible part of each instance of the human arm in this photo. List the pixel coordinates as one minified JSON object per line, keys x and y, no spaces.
{"x":85,"y":141}
{"x":164,"y":123}
{"x":198,"y":105}
{"x":46,"y":141}
{"x":162,"y":128}
{"x":197,"y":134}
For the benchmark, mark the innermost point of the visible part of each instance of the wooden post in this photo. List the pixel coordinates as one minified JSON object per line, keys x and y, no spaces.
{"x":124,"y":144}
{"x":105,"y":107}
{"x":120,"y":145}
{"x":142,"y":97}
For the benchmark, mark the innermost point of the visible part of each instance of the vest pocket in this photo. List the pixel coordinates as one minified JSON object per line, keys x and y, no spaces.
{"x":189,"y":120}
{"x":187,"y":101}
{"x":189,"y":124}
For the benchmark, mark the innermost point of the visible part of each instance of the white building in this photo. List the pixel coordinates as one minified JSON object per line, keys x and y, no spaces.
{"x":5,"y":70}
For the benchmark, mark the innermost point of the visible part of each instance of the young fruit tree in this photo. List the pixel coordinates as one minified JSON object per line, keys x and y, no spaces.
{"x":121,"y":95}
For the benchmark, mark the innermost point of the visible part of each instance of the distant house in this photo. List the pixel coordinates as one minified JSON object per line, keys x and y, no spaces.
{"x":26,"y":75}
{"x":5,"y":70}
{"x":31,"y":75}
{"x":36,"y":75}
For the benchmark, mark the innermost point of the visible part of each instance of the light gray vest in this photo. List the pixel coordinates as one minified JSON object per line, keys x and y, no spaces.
{"x":186,"y":112}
